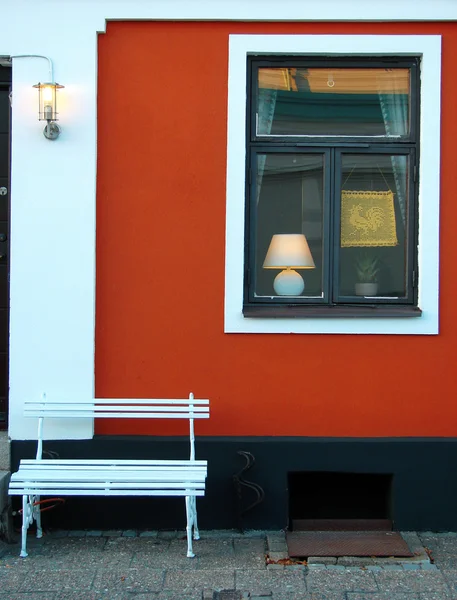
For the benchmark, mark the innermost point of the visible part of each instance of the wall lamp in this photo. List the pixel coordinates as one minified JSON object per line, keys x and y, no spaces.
{"x":47,"y":98}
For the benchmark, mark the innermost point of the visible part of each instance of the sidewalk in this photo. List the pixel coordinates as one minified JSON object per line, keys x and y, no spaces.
{"x":93,"y":565}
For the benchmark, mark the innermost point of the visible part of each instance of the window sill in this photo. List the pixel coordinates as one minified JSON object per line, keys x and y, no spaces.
{"x":306,"y":312}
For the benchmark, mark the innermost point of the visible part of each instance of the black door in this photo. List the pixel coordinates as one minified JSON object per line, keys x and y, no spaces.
{"x":5,"y":87}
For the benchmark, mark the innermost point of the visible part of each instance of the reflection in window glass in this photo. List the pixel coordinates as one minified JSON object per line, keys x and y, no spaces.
{"x":289,"y":223}
{"x":333,"y":101}
{"x":374,"y":209}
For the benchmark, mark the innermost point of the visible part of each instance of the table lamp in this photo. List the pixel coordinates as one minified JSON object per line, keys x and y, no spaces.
{"x":288,"y":251}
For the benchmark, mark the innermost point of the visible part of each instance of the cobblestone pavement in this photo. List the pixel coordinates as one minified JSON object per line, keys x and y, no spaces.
{"x":95,"y":565}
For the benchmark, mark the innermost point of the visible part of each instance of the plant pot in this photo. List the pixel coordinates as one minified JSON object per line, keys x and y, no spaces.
{"x":366,"y":289}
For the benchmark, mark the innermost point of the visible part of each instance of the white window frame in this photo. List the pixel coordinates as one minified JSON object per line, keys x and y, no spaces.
{"x":428,"y":47}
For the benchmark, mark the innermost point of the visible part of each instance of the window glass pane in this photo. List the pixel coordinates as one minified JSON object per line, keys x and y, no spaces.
{"x":374,"y":213}
{"x":288,"y":217}
{"x":331,"y":101}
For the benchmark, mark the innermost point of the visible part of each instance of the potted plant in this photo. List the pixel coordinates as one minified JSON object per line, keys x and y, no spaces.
{"x":367,"y":268}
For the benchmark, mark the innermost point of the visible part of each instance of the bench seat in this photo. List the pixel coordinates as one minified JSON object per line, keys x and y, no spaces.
{"x":109,"y":478}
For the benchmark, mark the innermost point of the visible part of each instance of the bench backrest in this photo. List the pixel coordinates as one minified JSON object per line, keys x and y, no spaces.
{"x":118,"y":408}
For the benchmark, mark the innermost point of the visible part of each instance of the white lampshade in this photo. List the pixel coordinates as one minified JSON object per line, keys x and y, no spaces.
{"x":288,"y":250}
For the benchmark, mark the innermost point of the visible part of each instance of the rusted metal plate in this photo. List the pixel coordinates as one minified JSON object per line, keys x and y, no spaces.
{"x":341,"y":525}
{"x":346,"y":543}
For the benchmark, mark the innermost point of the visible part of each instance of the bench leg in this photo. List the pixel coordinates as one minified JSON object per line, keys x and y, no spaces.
{"x":37,"y":517}
{"x":30,"y":512}
{"x":194,"y":507}
{"x":190,"y":521}
{"x":26,"y":508}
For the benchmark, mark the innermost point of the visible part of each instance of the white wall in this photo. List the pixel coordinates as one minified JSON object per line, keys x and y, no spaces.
{"x":53,"y":183}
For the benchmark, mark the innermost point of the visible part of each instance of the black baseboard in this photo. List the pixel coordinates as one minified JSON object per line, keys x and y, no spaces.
{"x":422,"y":470}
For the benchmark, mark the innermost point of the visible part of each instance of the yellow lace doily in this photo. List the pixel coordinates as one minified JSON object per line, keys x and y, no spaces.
{"x":368,"y":219}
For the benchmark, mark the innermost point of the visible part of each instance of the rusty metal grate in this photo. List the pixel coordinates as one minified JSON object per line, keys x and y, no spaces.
{"x":346,"y":543}
{"x":341,"y":525}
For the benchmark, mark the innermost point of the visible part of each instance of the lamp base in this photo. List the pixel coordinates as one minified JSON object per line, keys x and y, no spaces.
{"x":51,"y":131}
{"x":288,"y":283}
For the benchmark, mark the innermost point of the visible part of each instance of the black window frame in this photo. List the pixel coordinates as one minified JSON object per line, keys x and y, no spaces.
{"x":333,"y":148}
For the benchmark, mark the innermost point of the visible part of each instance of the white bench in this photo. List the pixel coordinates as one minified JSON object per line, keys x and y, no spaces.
{"x":116,"y":477}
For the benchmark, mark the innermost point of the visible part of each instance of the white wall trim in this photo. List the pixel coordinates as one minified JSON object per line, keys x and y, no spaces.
{"x":429,"y":47}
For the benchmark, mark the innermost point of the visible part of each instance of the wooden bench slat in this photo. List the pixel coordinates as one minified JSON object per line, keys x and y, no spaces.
{"x":160,"y":483}
{"x":116,"y":415}
{"x":186,"y":410}
{"x":115,"y":463}
{"x":58,"y":491}
{"x":118,"y":401}
{"x":75,"y":477}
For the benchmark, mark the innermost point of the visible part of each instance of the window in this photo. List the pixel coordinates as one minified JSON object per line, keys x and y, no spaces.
{"x":303,"y":172}
{"x":331,"y":219}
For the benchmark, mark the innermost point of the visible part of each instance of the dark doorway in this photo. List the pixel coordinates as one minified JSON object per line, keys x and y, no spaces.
{"x":345,"y":501}
{"x":5,"y":89}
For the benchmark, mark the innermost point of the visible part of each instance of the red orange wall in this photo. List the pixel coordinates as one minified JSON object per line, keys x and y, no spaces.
{"x":162,"y":109}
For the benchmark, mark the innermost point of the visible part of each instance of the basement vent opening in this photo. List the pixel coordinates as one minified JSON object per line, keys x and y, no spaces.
{"x":332,"y":501}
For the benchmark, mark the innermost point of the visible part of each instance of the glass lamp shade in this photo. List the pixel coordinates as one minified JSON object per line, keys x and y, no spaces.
{"x":47,"y":98}
{"x":288,"y":251}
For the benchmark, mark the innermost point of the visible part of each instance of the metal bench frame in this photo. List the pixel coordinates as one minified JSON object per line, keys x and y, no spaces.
{"x":111,"y":477}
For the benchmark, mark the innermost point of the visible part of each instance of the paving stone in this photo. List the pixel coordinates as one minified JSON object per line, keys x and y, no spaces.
{"x":60,"y":533}
{"x":417,"y":581}
{"x":112,"y":533}
{"x":310,"y":596}
{"x":429,"y":567}
{"x":12,"y":579}
{"x":129,"y":580}
{"x":167,"y":535}
{"x":414,"y":543}
{"x":381,"y":596}
{"x":259,"y":582}
{"x":274,"y":539}
{"x":227,"y":595}
{"x":436,"y":596}
{"x":167,"y":595}
{"x":86,"y":595}
{"x":220,"y":534}
{"x":322,"y":560}
{"x":354,"y":561}
{"x":129,"y":533}
{"x":345,"y":580}
{"x":279,"y":547}
{"x":218,"y":579}
{"x":148,"y":534}
{"x":93,"y":533}
{"x":249,"y":545}
{"x":77,"y":533}
{"x":35,"y":596}
{"x":59,"y":580}
{"x":161,"y":558}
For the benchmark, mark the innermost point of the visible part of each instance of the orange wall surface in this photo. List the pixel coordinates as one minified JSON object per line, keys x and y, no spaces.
{"x":162,"y":120}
